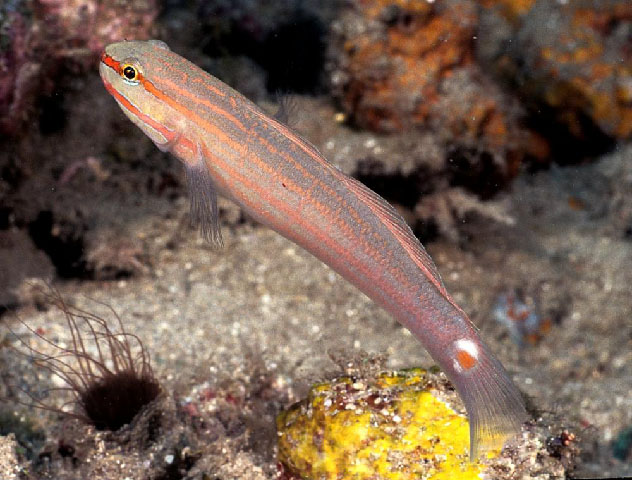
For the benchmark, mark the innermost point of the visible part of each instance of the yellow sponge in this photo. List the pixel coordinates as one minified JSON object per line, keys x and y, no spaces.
{"x":393,"y":428}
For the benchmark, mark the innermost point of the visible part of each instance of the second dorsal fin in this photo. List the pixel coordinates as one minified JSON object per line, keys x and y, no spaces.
{"x":400,"y":229}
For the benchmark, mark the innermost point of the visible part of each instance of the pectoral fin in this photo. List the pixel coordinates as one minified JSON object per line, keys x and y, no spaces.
{"x":203,"y":195}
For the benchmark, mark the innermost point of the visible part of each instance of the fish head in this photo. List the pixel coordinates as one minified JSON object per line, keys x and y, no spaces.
{"x":128,"y":70}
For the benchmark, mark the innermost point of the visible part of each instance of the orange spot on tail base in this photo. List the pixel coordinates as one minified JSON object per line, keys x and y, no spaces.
{"x":466,"y":360}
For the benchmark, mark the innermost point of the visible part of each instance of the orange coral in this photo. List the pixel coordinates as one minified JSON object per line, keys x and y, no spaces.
{"x":604,"y":82}
{"x":413,"y":65}
{"x":510,"y":9}
{"x":581,"y":65}
{"x":400,"y":72}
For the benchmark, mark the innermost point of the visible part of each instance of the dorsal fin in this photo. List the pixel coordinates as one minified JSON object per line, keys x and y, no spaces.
{"x":400,"y":229}
{"x":287,"y":109}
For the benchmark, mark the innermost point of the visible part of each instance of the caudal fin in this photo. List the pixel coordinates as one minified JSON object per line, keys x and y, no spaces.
{"x":494,"y":405}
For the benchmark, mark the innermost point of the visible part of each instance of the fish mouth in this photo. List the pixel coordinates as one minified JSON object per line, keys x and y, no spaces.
{"x":102,"y":66}
{"x":107,"y":71}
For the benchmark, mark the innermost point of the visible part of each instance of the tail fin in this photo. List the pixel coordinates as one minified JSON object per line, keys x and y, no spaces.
{"x":494,"y":405}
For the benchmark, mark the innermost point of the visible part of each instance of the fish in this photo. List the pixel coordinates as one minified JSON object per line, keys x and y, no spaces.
{"x":230,"y":147}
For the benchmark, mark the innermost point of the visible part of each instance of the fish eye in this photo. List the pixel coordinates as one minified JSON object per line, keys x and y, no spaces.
{"x":130,"y":73}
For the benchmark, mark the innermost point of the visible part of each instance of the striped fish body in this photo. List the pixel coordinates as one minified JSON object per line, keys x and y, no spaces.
{"x":229,"y":146}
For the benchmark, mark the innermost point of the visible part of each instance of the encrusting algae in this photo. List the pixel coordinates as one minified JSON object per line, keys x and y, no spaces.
{"x":394,"y":428}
